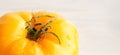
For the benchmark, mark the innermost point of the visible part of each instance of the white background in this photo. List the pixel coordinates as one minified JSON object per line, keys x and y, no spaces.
{"x":97,"y":21}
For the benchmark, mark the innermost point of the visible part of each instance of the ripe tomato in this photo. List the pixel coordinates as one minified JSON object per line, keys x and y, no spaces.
{"x":37,"y":33}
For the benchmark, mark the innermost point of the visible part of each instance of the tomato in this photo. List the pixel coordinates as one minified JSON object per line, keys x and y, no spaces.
{"x":37,"y":33}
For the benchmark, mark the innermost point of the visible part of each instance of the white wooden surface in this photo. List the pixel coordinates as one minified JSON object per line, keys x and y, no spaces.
{"x":97,"y":21}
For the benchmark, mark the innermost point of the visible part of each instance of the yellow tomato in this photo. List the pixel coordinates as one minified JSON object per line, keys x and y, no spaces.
{"x":37,"y":33}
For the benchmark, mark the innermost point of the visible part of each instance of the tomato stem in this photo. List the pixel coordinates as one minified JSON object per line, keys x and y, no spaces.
{"x":34,"y":34}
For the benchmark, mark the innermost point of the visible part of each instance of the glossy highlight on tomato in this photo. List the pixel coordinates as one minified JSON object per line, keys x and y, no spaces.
{"x":37,"y":33}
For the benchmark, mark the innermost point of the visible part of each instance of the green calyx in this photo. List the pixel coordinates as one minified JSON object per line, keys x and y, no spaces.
{"x":35,"y":34}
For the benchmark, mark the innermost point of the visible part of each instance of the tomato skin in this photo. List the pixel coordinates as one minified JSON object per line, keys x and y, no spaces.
{"x":13,"y":35}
